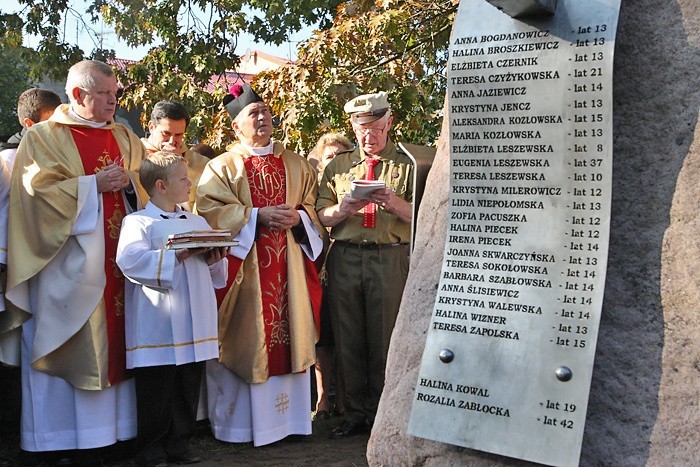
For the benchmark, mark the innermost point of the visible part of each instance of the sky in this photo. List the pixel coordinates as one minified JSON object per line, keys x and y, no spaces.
{"x":75,"y":33}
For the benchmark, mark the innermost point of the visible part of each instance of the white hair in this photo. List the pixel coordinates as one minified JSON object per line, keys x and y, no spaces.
{"x":82,"y":75}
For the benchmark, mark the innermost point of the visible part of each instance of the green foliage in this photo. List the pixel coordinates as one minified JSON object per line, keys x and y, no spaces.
{"x":152,"y":80}
{"x":276,"y":19}
{"x":194,"y":39}
{"x":53,"y":56}
{"x":396,"y":46}
{"x":13,"y":81}
{"x":362,"y":46}
{"x":191,"y":39}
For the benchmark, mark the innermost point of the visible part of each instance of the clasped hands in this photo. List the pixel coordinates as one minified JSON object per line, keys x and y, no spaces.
{"x":280,"y":217}
{"x":111,"y":178}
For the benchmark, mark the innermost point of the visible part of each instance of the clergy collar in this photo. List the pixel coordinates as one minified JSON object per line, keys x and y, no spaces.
{"x":263,"y":151}
{"x":72,"y":114}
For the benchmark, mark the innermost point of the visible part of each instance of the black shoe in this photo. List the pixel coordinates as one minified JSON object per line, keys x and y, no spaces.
{"x":81,"y":458}
{"x":347,"y":428}
{"x":152,"y":463}
{"x":184,"y":459}
{"x":156,"y":461}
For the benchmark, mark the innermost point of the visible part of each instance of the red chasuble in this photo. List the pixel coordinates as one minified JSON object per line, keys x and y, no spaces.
{"x":98,"y":148}
{"x":266,"y":178}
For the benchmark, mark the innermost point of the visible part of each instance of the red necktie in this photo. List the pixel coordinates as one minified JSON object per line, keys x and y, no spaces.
{"x":370,"y":212}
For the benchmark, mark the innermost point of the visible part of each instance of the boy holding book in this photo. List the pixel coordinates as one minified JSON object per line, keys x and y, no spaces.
{"x":170,"y":312}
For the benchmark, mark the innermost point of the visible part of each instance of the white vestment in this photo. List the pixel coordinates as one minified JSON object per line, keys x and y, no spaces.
{"x":170,"y":307}
{"x":4,"y":207}
{"x":59,"y":416}
{"x":9,"y":341}
{"x":262,"y":413}
{"x":55,"y":414}
{"x":8,"y":156}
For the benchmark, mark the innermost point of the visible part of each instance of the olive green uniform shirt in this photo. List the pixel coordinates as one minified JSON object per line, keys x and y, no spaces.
{"x":395,"y":168}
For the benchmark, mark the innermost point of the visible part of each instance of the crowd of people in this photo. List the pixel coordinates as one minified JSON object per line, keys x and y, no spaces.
{"x":119,"y":337}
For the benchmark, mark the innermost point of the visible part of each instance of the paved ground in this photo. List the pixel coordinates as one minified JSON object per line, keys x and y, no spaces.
{"x":316,"y":449}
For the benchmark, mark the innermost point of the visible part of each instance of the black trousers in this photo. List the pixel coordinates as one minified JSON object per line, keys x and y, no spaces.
{"x":166,"y":403}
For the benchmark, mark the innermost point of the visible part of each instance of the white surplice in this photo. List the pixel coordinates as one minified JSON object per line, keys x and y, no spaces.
{"x":170,"y":307}
{"x":55,"y":414}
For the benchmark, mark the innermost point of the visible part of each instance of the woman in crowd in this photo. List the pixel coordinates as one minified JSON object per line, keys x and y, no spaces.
{"x":325,"y":150}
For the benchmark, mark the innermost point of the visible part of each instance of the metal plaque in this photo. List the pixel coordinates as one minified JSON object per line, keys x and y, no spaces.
{"x":509,"y":354}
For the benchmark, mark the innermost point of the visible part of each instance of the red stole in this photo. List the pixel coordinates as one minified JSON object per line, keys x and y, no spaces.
{"x":98,"y":148}
{"x":266,"y":178}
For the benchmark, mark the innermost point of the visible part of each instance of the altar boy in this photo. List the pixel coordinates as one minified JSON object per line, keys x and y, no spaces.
{"x":170,"y":312}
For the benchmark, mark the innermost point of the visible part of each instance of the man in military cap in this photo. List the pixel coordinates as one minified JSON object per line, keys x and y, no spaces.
{"x":368,"y":263}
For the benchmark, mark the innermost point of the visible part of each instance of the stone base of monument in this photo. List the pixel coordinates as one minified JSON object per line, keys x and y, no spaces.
{"x":645,"y":397}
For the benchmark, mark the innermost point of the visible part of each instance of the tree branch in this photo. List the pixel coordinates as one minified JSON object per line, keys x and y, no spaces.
{"x":401,"y":54}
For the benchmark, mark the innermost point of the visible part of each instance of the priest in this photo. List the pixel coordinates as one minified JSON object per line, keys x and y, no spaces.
{"x":259,"y":390}
{"x":73,"y":181}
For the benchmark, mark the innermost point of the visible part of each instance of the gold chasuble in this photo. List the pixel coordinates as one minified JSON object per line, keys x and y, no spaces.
{"x":266,"y":321}
{"x":68,"y":281}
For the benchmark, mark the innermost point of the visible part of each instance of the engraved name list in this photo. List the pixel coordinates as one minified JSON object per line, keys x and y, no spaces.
{"x":521,"y":287}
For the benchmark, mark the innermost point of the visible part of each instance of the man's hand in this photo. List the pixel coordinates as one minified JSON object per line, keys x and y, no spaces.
{"x":211,"y":255}
{"x":167,"y":147}
{"x":185,"y":253}
{"x":349,"y":206}
{"x":334,"y":215}
{"x":216,"y":254}
{"x":387,"y":200}
{"x":280,"y":217}
{"x":111,"y":178}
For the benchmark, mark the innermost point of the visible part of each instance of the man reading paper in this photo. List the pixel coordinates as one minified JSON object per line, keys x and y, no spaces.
{"x":368,"y":263}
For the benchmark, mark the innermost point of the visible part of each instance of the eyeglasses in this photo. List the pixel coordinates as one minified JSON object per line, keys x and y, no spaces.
{"x":366,"y":131}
